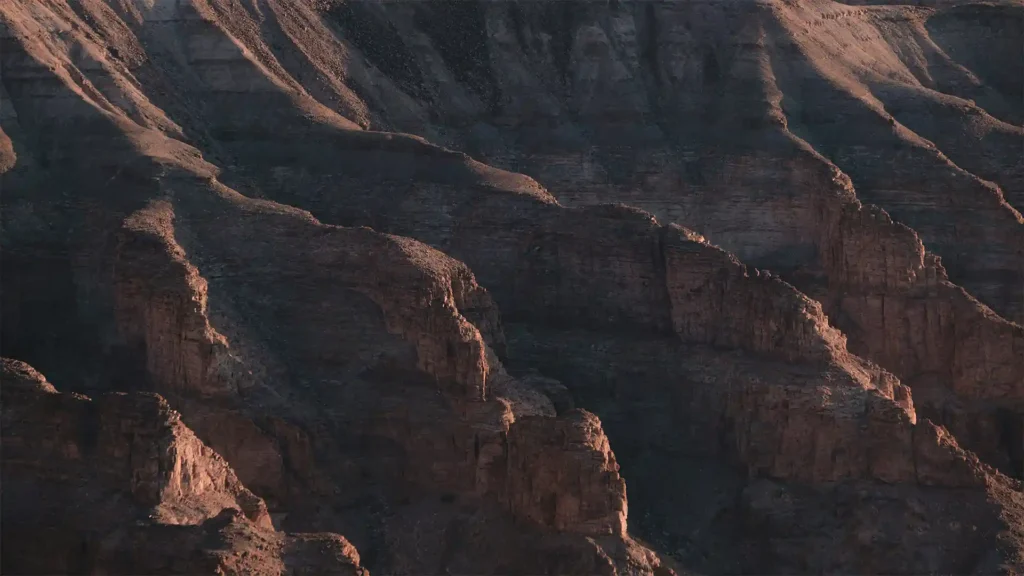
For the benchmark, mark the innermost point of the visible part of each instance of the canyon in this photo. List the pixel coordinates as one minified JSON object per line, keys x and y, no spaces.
{"x":512,"y":287}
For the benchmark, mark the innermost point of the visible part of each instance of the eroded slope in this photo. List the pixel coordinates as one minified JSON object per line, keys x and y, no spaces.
{"x":355,"y":380}
{"x":338,"y":373}
{"x":119,"y":485}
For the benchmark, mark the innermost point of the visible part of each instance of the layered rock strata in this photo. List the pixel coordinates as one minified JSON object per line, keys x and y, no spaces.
{"x":396,"y":323}
{"x":356,"y":380}
{"x":327,"y":358}
{"x":119,"y":485}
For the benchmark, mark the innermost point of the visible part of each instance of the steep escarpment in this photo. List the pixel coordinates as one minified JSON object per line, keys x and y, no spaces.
{"x":805,"y":106}
{"x":691,"y":112}
{"x":897,"y":306}
{"x":743,"y":57}
{"x":568,"y":280}
{"x":875,"y":279}
{"x":434,"y":357}
{"x":732,"y":89}
{"x":326,"y":357}
{"x":119,"y":485}
{"x":891,"y":96}
{"x":738,"y":92}
{"x":537,"y":457}
{"x":394,"y":333}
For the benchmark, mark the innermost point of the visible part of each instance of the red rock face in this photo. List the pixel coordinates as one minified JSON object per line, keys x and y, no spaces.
{"x":119,"y":484}
{"x":316,"y":341}
{"x":562,"y":474}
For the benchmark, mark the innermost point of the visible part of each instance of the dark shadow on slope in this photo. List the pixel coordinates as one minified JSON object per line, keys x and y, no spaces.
{"x":380,"y":42}
{"x":62,"y":204}
{"x":988,"y":40}
{"x":459,"y":32}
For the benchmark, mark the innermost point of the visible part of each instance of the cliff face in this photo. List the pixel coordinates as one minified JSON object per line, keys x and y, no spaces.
{"x":385,"y":339}
{"x":332,"y":366}
{"x":120,"y":485}
{"x":381,"y":375}
{"x":900,"y":310}
{"x":741,"y":92}
{"x":696,"y":112}
{"x":566,"y":475}
{"x":704,"y":115}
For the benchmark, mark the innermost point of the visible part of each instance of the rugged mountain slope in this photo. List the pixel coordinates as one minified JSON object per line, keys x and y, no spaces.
{"x":159,"y":158}
{"x":700,"y":112}
{"x":339,"y":374}
{"x":732,"y":118}
{"x":119,"y":485}
{"x":742,"y":93}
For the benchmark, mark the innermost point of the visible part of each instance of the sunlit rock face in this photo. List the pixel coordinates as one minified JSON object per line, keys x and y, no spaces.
{"x":624,"y":287}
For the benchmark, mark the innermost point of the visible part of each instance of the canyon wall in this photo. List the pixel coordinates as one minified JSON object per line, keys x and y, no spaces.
{"x":386,"y":339}
{"x":118,"y":484}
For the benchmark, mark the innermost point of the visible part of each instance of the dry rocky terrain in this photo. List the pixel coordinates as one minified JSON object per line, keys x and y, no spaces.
{"x":512,"y":287}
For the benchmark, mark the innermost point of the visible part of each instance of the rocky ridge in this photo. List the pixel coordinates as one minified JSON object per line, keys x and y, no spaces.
{"x":366,"y":384}
{"x":118,"y":484}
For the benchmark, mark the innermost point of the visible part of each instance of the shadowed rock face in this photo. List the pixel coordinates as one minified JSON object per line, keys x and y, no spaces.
{"x":458,"y":368}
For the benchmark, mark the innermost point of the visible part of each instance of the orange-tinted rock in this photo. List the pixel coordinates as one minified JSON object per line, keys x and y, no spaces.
{"x":120,"y":485}
{"x":562,"y":474}
{"x":364,"y":383}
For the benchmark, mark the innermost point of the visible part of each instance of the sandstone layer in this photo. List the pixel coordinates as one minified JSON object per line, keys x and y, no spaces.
{"x":719,"y":115}
{"x":119,"y":485}
{"x":332,"y":367}
{"x":435,"y":358}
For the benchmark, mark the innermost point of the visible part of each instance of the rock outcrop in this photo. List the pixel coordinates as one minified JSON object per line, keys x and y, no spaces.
{"x":386,"y":339}
{"x":750,"y":101}
{"x":899,"y":309}
{"x":119,"y":485}
{"x":565,"y":475}
{"x":794,"y":106}
{"x":398,"y":332}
